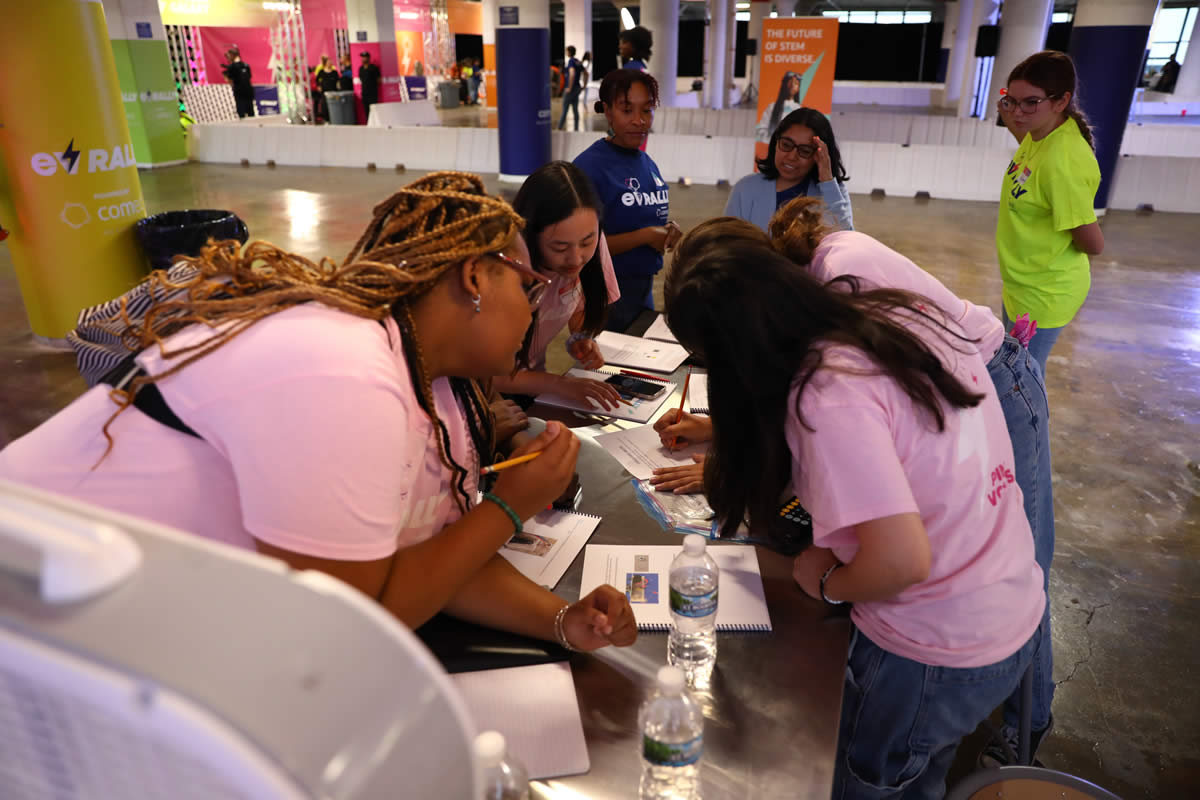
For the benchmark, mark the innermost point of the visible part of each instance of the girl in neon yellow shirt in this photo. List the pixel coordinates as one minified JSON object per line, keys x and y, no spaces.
{"x":1047,"y":226}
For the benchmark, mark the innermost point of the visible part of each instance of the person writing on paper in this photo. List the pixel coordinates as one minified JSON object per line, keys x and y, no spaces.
{"x":873,"y":408}
{"x":562,"y":231}
{"x":803,"y":160}
{"x":635,"y":197}
{"x":338,"y":424}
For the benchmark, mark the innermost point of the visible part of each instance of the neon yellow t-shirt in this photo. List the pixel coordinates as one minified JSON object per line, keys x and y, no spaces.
{"x":1048,"y":189}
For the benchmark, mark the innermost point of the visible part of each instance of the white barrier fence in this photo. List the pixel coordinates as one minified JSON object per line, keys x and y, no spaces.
{"x":951,"y":171}
{"x":1154,"y":139}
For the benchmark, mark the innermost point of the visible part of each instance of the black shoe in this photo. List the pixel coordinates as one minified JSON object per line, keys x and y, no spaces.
{"x":995,"y":755}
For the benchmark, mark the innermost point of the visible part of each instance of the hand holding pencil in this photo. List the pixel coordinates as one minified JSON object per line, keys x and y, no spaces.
{"x":538,"y":472}
{"x":691,"y":429}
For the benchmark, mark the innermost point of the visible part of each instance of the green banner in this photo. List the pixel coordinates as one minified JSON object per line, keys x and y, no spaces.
{"x":151,"y":101}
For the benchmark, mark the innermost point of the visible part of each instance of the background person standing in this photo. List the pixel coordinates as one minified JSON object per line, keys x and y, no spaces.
{"x":368,"y":75}
{"x":237,"y":72}
{"x":574,"y":85}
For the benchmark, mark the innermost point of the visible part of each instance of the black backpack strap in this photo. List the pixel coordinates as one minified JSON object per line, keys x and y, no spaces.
{"x":149,"y":399}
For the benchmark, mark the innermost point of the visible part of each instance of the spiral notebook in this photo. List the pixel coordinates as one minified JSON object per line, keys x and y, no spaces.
{"x":636,"y":352}
{"x":698,"y":393}
{"x":548,"y":543}
{"x":642,"y":572}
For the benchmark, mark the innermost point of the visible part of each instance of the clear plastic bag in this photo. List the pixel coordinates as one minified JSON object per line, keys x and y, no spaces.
{"x":681,"y":513}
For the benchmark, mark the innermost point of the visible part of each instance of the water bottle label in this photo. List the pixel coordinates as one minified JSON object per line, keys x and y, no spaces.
{"x":672,"y":755}
{"x":694,"y":605}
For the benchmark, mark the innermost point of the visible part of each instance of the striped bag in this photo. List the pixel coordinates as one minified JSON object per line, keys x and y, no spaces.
{"x":96,"y":339}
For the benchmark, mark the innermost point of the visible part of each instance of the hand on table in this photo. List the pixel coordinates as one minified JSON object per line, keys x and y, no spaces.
{"x":601,"y":618}
{"x":684,"y":430}
{"x":510,"y":419}
{"x":580,"y":390}
{"x":587,"y":353}
{"x":686,"y":479}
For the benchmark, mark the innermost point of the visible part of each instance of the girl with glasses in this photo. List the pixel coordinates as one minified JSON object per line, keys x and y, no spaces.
{"x":333,"y":417}
{"x":802,"y":160}
{"x":562,"y":231}
{"x":1047,"y":226}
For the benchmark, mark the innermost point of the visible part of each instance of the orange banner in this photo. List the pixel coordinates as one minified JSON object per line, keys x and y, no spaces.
{"x":795,"y":70}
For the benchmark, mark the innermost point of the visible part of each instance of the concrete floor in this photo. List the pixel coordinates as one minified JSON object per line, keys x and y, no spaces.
{"x":1125,"y":406}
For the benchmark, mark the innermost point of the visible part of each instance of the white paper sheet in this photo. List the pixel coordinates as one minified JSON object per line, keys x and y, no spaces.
{"x":640,"y":451}
{"x":698,"y":393}
{"x":639,"y":411}
{"x":548,"y":544}
{"x":659,"y":330}
{"x":638,"y":353}
{"x":536,"y":710}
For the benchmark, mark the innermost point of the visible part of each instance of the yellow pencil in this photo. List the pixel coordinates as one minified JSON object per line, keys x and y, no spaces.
{"x":512,"y":462}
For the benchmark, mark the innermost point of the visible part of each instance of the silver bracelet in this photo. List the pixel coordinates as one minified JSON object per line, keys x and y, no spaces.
{"x":559,"y":634}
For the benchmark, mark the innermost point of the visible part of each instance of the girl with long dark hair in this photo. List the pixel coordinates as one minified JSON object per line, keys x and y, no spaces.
{"x":873,"y":407}
{"x":803,"y":160}
{"x":785,"y":103}
{"x":562,"y":230}
{"x":636,"y":198}
{"x":1047,"y":226}
{"x":335,"y":417}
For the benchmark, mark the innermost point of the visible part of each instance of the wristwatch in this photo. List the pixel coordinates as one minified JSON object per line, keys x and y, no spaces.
{"x":824,"y":578}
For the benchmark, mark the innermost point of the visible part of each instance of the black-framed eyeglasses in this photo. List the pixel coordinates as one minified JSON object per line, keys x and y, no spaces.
{"x":1027,"y":104}
{"x":787,"y":145}
{"x":540,"y":282}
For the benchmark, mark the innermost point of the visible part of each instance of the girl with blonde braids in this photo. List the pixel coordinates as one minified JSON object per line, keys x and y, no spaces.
{"x":337,"y":419}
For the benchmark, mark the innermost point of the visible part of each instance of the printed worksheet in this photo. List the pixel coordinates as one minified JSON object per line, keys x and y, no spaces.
{"x":640,"y":451}
{"x":659,"y":330}
{"x":637,"y":353}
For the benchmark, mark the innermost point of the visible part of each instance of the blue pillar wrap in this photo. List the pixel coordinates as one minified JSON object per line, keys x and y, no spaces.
{"x":522,"y":69}
{"x":1108,"y":60}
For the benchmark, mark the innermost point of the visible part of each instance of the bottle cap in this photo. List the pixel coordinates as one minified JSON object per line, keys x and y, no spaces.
{"x":671,"y":680}
{"x":693,"y":544}
{"x":490,"y":748}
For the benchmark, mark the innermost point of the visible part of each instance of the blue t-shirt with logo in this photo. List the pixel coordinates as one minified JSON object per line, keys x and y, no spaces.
{"x":575,"y":84}
{"x":634,"y":196}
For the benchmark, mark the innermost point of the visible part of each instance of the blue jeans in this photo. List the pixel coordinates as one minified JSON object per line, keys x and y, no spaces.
{"x":1042,"y":342}
{"x":902,"y":720}
{"x":637,"y":294}
{"x":1018,"y":381}
{"x":571,"y":101}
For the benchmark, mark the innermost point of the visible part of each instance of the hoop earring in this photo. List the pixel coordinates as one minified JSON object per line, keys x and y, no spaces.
{"x":476,"y":300}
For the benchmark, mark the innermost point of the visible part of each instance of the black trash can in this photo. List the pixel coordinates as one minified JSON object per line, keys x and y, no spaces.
{"x":341,"y":108}
{"x":183,"y":233}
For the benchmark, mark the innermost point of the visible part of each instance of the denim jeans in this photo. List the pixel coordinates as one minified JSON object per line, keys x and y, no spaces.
{"x":1042,"y":342}
{"x":902,"y":720}
{"x":570,"y":100}
{"x":637,"y":294}
{"x":1018,"y":381}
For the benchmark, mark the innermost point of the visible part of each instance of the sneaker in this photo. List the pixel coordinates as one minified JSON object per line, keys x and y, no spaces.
{"x":994,"y":755}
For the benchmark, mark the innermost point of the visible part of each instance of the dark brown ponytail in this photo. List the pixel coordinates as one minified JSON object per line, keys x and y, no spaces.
{"x":1054,"y":73}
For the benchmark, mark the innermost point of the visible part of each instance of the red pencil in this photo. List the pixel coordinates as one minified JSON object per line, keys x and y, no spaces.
{"x":659,"y":378}
{"x":682,"y":400}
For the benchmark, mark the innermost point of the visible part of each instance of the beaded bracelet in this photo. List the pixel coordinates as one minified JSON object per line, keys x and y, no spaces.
{"x":561,"y":635}
{"x":517,"y":526}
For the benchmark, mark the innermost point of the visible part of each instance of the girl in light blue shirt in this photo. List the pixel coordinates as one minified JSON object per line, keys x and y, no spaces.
{"x":802,"y":160}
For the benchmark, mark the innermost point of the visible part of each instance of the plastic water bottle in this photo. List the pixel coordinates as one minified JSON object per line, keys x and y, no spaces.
{"x":693,"y":643}
{"x":672,"y":726}
{"x":504,"y":777}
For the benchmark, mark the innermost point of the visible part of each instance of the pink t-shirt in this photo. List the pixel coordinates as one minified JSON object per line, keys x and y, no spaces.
{"x":879,"y":266}
{"x":873,"y":455}
{"x":561,"y":302}
{"x":312,"y":441}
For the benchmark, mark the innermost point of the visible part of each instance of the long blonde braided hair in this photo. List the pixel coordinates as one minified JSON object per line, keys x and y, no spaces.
{"x":414,"y":237}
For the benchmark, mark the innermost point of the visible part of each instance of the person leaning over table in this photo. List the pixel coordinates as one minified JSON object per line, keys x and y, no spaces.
{"x":338,"y":423}
{"x":873,"y":408}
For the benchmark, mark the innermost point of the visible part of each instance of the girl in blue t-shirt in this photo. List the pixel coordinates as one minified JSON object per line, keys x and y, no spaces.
{"x":634,"y":195}
{"x":635,"y":45}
